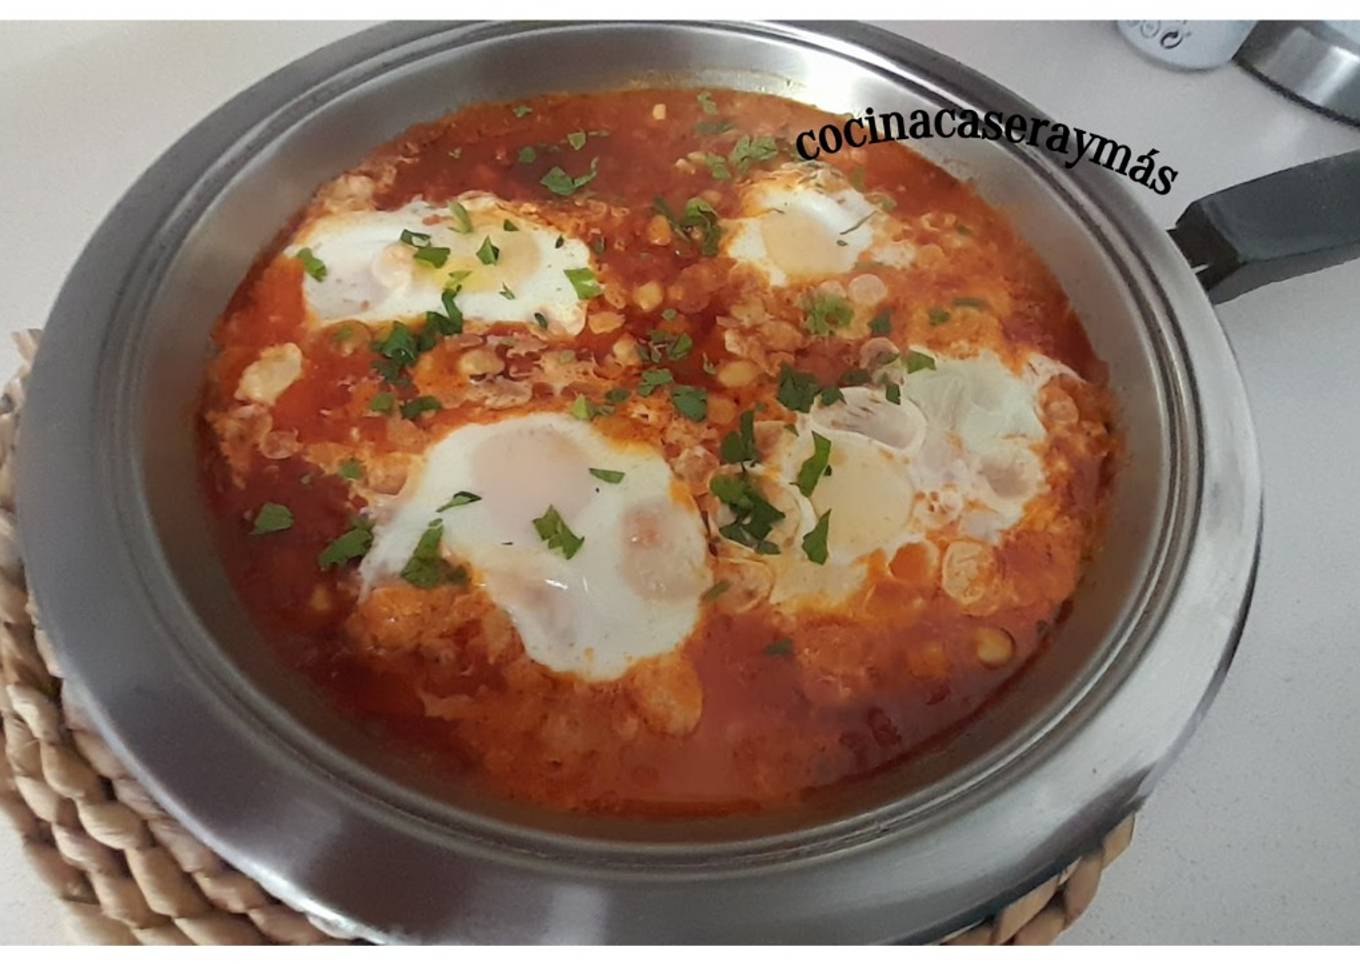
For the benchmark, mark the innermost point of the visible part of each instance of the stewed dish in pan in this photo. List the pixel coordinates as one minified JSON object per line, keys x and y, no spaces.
{"x":606,"y":453}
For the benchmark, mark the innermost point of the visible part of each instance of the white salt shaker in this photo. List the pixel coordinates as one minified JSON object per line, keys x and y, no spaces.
{"x":1187,"y":44}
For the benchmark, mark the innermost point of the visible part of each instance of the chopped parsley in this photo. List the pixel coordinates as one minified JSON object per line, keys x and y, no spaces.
{"x":748,"y":151}
{"x":416,"y":239}
{"x":382,"y":402}
{"x":740,"y":445}
{"x":583,"y":281}
{"x":780,"y":647}
{"x":427,"y":568}
{"x":977,"y":303}
{"x":937,"y":316}
{"x":506,"y":292}
{"x":352,"y":544}
{"x":669,"y":313}
{"x":561,"y":183}
{"x":662,"y":345}
{"x":462,"y":221}
{"x":707,"y":103}
{"x":527,"y":155}
{"x":824,"y":313}
{"x":419,"y":406}
{"x":654,"y":378}
{"x":616,"y":396}
{"x":553,"y":530}
{"x":583,"y":408}
{"x":717,"y":167}
{"x":577,"y":140}
{"x":753,"y":516}
{"x":918,"y":360}
{"x":815,"y":465}
{"x":699,"y":225}
{"x":398,"y":350}
{"x":715,"y":590}
{"x":860,"y":223}
{"x":690,"y":402}
{"x":814,"y":543}
{"x":272,"y":517}
{"x":612,"y":476}
{"x":797,"y":390}
{"x":831,"y":395}
{"x":488,"y":253}
{"x":855,"y":376}
{"x":541,"y":320}
{"x":459,"y":498}
{"x":351,"y":469}
{"x":881,"y":324}
{"x":311,"y":264}
{"x":434,"y":257}
{"x":522,"y":110}
{"x":892,"y":392}
{"x":509,"y":225}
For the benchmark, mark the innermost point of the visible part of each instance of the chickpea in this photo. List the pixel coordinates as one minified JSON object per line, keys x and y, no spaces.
{"x":650,"y":295}
{"x":658,"y":112}
{"x":721,"y":409}
{"x":738,"y":373}
{"x":603,"y":321}
{"x":929,"y":661}
{"x":480,"y":361}
{"x":658,"y":231}
{"x":625,"y":350}
{"x":994,"y":646}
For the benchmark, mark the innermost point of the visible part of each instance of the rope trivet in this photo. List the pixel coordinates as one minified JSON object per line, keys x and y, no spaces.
{"x":128,"y":873}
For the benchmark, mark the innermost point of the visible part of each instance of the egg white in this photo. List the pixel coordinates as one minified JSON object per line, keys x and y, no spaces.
{"x":372,"y":276}
{"x":800,"y":225}
{"x":632,"y":589}
{"x":962,"y":448}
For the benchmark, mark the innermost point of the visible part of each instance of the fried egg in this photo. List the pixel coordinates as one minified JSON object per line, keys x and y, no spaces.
{"x":958,"y":457}
{"x":799,"y":224}
{"x":628,"y":592}
{"x":508,"y":264}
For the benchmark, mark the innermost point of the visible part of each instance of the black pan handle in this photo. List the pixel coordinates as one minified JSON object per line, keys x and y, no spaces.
{"x":1293,"y":222}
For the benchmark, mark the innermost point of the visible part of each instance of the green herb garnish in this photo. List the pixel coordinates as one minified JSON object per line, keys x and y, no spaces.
{"x":977,"y":303}
{"x":521,"y":110}
{"x":272,"y":517}
{"x":717,"y":167}
{"x":937,"y":316}
{"x":311,"y":264}
{"x":739,"y":445}
{"x":583,"y":281}
{"x":698,"y":225}
{"x":462,"y":221}
{"x":690,"y":402}
{"x":382,"y":402}
{"x":780,"y":647}
{"x":918,"y":361}
{"x":814,"y":467}
{"x":583,"y":408}
{"x":797,"y":390}
{"x":416,"y":239}
{"x":351,"y":469}
{"x":527,"y":155}
{"x":434,"y":257}
{"x":715,"y":590}
{"x":612,"y":476}
{"x":352,"y":544}
{"x":892,"y":392}
{"x":553,"y":530}
{"x":561,"y":183}
{"x":488,"y":253}
{"x":459,"y":498}
{"x":706,"y":102}
{"x":753,"y":516}
{"x":825,"y":313}
{"x":748,"y":151}
{"x":577,"y":140}
{"x":814,"y":543}
{"x":419,"y":406}
{"x":427,"y":568}
{"x":881,"y":324}
{"x":507,"y":293}
{"x":654,"y":378}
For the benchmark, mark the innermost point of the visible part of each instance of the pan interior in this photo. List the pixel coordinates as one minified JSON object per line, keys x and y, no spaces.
{"x":238,"y":210}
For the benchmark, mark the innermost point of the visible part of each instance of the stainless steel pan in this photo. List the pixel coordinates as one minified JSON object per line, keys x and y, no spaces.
{"x":144,"y":621}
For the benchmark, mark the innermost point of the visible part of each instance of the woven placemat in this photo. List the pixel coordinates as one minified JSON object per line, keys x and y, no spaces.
{"x":127,"y":873}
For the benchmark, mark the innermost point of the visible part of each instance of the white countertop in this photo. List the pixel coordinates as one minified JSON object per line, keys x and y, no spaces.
{"x":1252,"y":835}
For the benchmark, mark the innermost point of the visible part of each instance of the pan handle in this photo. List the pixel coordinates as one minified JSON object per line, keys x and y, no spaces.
{"x":1279,"y":226}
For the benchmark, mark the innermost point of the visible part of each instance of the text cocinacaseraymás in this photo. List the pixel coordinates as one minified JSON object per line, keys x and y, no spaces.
{"x":872,"y":128}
